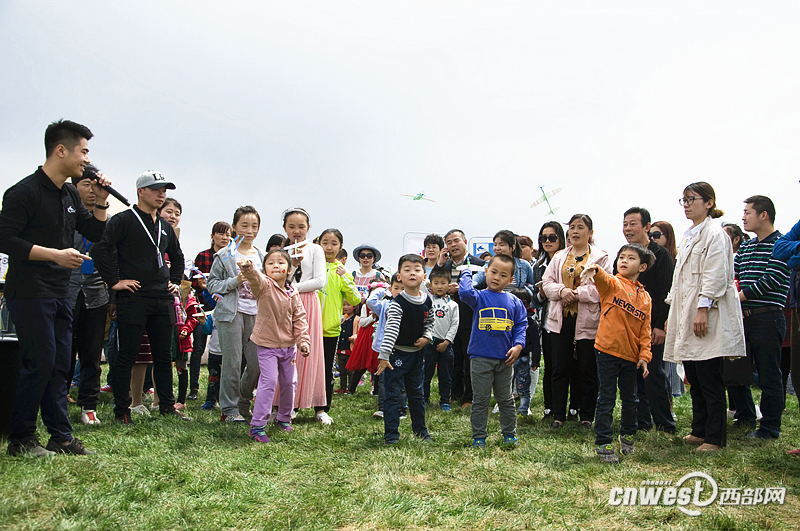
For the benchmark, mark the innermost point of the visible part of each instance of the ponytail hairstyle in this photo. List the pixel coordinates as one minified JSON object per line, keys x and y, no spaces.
{"x":241,"y":211}
{"x":288,"y":260}
{"x":706,"y":191}
{"x":510,"y":239}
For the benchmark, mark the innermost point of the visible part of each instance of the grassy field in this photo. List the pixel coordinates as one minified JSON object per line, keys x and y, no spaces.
{"x":172,"y":474}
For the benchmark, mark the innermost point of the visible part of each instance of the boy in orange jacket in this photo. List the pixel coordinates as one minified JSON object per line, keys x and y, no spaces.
{"x":622,"y":344}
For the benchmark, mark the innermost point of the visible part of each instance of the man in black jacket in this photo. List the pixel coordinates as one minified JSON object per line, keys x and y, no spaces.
{"x":455,"y":255}
{"x":653,"y":392}
{"x":141,"y":260}
{"x":37,"y":224}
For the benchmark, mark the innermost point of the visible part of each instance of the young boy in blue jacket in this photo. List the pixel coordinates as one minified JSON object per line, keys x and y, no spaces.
{"x":499,"y":324}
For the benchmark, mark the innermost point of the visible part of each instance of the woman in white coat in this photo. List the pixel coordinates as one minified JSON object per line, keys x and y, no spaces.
{"x":705,"y":319}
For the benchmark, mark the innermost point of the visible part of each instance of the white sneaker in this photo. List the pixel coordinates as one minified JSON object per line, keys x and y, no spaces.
{"x":141,"y":409}
{"x":89,"y":417}
{"x":293,"y":414}
{"x":758,"y":412}
{"x":154,"y":407}
{"x":324,"y":418}
{"x":378,"y":414}
{"x":496,"y":408}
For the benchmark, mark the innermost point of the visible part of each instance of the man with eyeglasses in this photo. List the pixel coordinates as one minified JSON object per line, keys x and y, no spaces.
{"x":654,"y":393}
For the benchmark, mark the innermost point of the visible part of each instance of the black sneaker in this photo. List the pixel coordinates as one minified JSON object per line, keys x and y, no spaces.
{"x":124,"y":419}
{"x":192,"y":395}
{"x":743,"y":425}
{"x":29,"y":448}
{"x":426,"y":438}
{"x":626,"y":444}
{"x":74,"y":447}
{"x":605,"y":453}
{"x":175,"y":414}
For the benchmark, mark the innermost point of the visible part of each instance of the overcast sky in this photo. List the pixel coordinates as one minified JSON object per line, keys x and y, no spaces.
{"x":340,"y":107}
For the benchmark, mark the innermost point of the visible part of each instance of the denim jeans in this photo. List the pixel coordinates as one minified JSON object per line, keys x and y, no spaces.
{"x":442,"y":360}
{"x":613,"y":372}
{"x":764,"y":333}
{"x":408,"y":370}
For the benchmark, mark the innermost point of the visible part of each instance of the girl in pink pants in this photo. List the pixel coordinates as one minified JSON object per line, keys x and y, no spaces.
{"x":280,"y":326}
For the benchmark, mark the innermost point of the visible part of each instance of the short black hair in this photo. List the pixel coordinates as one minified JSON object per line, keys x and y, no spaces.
{"x":433,"y":239}
{"x":643,"y":212}
{"x":174,"y":202}
{"x":762,"y":203}
{"x":66,"y":133}
{"x":522,"y":294}
{"x":646,"y":256}
{"x":276,"y":239}
{"x":453,"y":231}
{"x":411,"y":257}
{"x":439,"y":272}
{"x":395,"y":279}
{"x":505,"y":259}
{"x":341,"y":254}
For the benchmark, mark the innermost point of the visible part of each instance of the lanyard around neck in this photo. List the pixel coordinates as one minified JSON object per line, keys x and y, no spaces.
{"x":157,"y":245}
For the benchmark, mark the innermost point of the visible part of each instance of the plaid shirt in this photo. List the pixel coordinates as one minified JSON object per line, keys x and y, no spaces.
{"x":203,"y":262}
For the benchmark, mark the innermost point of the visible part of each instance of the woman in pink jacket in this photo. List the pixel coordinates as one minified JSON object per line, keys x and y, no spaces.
{"x":572,"y":318}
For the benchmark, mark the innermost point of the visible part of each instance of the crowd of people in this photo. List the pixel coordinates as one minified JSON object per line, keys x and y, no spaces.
{"x":280,"y":322}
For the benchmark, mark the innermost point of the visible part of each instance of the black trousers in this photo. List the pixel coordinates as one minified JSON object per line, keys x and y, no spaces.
{"x":569,"y":354}
{"x":654,"y":394}
{"x":135,"y":315}
{"x":462,"y":381}
{"x":199,"y":341}
{"x":44,"y":329}
{"x":329,"y":346}
{"x":709,"y":416}
{"x":547,"y":374}
{"x":88,"y":331}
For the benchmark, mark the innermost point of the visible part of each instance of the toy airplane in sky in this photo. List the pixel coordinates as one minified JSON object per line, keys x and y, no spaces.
{"x":419,"y":197}
{"x":546,"y":196}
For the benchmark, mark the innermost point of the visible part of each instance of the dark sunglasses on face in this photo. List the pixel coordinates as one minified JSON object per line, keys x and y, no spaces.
{"x":552,"y":238}
{"x":656,"y":235}
{"x":366,"y":255}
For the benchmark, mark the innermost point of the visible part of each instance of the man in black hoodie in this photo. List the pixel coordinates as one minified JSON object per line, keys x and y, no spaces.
{"x":454,"y":255}
{"x":654,"y":393}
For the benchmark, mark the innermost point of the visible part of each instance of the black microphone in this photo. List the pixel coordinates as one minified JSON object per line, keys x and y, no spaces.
{"x":91,"y":171}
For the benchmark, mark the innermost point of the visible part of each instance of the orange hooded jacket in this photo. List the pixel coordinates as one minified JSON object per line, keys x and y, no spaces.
{"x":624,"y":329}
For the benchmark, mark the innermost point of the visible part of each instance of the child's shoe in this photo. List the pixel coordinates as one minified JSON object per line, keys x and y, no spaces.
{"x":496,"y":409}
{"x":378,"y":414}
{"x":89,"y":417}
{"x":208,"y":405}
{"x":510,"y":440}
{"x":324,"y":419}
{"x":141,"y":409}
{"x":479,"y":442}
{"x":606,"y":454}
{"x":446,"y":407}
{"x":258,"y":434}
{"x":284,"y":426}
{"x":180,"y":406}
{"x":626,"y":444}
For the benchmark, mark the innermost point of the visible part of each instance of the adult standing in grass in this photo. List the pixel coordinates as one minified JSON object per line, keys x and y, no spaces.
{"x":551,"y":240}
{"x":654,"y":408}
{"x":235,"y":316}
{"x":131,"y":260}
{"x":763,"y":290}
{"x":89,"y":297}
{"x":368,"y":256}
{"x":37,"y":225}
{"x":309,"y":275}
{"x":705,"y":319}
{"x":573,"y":318}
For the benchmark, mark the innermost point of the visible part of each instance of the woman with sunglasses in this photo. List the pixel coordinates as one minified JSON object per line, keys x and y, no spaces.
{"x":573,"y":317}
{"x":661,"y":233}
{"x":367,"y":257}
{"x":551,"y":240}
{"x":705,"y":318}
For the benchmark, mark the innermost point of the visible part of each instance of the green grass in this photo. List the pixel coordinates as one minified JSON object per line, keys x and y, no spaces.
{"x":171,"y":474}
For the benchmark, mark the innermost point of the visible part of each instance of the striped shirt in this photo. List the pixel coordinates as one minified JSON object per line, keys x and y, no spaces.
{"x":395,"y":318}
{"x":764,"y":280}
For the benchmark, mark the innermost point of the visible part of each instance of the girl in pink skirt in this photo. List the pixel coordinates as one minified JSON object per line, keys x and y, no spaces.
{"x":308,"y":275}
